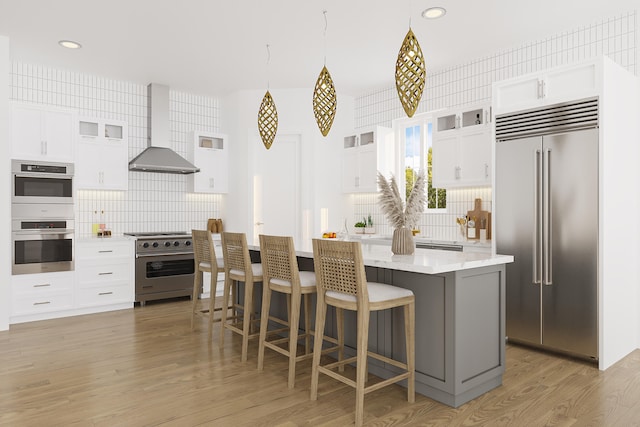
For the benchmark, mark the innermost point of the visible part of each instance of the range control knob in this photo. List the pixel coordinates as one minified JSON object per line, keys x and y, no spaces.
{"x":145,"y":245}
{"x":176,"y":243}
{"x":167,"y":244}
{"x":155,"y":244}
{"x":187,"y":243}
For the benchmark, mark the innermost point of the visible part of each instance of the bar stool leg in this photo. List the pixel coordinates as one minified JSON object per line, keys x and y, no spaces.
{"x":294,"y":322}
{"x":246,"y":319}
{"x":307,"y":323}
{"x":228,"y":282}
{"x":321,"y":315}
{"x":266,"y":304}
{"x":409,"y":331}
{"x":361,"y":362}
{"x":212,"y":300}
{"x":340,"y":327}
{"x":197,"y":285}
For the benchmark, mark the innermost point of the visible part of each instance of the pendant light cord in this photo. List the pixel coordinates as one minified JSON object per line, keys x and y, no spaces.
{"x":324,"y":12}
{"x":268,"y":62}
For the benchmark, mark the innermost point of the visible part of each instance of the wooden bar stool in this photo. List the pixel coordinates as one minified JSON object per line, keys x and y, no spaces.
{"x":205,"y":260}
{"x":342,"y":283}
{"x":238,"y":268}
{"x":281,"y":274}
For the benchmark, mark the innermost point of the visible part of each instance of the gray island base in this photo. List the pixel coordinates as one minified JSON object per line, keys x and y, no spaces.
{"x":460,"y":319}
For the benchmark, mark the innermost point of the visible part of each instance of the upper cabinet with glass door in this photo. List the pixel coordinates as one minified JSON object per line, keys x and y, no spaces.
{"x":210,"y":153}
{"x":462,"y":147}
{"x":102,"y":155}
{"x":365,"y":153}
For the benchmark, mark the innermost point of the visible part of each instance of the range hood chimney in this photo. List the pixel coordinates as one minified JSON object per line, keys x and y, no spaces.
{"x":158,"y":156}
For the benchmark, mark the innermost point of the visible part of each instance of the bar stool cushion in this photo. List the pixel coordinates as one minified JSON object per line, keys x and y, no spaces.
{"x":378,"y":292}
{"x":307,"y":279}
{"x":256,"y":268}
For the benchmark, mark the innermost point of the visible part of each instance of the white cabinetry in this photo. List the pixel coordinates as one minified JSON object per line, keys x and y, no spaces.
{"x":41,"y":134}
{"x":567,"y":83}
{"x":209,"y":152}
{"x":102,"y":155}
{"x":462,"y":148}
{"x":366,"y":153}
{"x":105,"y":273}
{"x":41,"y":294}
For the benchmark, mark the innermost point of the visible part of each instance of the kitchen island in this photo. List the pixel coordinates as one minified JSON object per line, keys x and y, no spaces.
{"x":460,"y":318}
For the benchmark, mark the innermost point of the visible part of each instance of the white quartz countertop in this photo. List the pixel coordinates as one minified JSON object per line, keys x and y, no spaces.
{"x":426,"y":261}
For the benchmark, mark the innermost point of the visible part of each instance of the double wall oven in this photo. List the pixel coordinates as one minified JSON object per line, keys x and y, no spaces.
{"x":42,"y":224}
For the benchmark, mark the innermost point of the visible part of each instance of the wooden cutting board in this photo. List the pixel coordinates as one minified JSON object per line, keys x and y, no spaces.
{"x":481,"y":218}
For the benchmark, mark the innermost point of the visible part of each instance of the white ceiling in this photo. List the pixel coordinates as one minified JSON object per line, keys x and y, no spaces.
{"x":215,"y":47}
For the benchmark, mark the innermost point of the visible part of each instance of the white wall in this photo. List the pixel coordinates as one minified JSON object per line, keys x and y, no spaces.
{"x":320,"y":156}
{"x":5,"y":186}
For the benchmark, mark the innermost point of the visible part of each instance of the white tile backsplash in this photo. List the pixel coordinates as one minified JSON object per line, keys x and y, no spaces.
{"x":154,"y":202}
{"x":470,"y":83}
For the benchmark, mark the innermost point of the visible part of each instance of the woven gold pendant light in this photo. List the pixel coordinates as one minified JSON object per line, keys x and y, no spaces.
{"x":268,"y":114}
{"x":410,"y":73}
{"x":325,"y":100}
{"x":267,"y":120}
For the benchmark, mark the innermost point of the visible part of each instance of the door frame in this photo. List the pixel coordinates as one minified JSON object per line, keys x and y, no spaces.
{"x":256,"y":141}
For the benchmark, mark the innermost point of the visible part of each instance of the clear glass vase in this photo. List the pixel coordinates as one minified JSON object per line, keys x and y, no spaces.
{"x":344,"y":232}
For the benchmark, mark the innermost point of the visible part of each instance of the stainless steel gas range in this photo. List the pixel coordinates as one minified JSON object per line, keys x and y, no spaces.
{"x":164,"y":265}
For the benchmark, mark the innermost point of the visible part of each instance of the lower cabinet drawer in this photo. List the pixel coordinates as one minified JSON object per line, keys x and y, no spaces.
{"x":38,"y":284}
{"x":105,"y":295}
{"x":44,"y":303}
{"x":90,"y":275}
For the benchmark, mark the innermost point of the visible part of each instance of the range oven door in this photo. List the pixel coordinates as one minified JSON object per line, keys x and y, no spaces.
{"x":42,"y":251}
{"x":164,"y":276}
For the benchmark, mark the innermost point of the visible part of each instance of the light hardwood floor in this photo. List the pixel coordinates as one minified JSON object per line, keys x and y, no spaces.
{"x":144,"y":367}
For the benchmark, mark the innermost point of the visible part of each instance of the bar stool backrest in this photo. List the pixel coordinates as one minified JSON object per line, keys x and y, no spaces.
{"x":203,"y":249}
{"x":340,"y":268}
{"x":236,"y":254}
{"x":278,"y":257}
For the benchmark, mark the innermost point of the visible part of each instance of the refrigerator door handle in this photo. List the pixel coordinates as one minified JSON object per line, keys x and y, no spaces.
{"x":537,"y":175}
{"x":548,"y":272}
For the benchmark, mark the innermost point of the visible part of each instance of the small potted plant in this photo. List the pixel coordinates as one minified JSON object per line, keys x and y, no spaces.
{"x":369,"y":228}
{"x":360,"y":226}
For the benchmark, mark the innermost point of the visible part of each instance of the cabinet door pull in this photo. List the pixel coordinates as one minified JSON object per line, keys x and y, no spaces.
{"x":486,"y":170}
{"x":544,"y":89}
{"x":105,"y":293}
{"x":42,"y":303}
{"x":106,"y":273}
{"x":212,"y":183}
{"x":105,"y":251}
{"x":43,"y":285}
{"x":458,"y":168}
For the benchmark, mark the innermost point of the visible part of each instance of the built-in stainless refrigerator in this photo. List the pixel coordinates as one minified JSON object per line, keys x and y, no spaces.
{"x":546,"y":215}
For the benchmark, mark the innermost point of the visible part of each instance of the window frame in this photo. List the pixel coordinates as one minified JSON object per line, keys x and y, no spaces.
{"x":399,"y":127}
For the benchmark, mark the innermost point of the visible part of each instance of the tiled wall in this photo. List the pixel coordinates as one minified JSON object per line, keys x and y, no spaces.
{"x":470,"y":83}
{"x":154,"y":202}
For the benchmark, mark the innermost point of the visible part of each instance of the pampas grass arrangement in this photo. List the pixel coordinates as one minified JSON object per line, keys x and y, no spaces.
{"x":402,"y":217}
{"x":392,"y":206}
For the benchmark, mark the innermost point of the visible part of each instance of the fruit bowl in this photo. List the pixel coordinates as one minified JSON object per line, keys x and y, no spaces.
{"x":329,"y":235}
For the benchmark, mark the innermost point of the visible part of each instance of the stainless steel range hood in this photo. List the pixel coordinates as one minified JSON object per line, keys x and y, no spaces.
{"x":158,"y":156}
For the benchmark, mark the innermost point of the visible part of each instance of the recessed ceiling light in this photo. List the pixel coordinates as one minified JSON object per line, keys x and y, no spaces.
{"x":69,"y":44}
{"x":434,"y":13}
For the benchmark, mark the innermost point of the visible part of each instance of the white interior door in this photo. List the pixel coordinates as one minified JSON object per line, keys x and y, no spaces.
{"x":276,"y":188}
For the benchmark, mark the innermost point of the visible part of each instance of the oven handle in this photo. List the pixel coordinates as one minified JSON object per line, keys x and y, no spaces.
{"x":163,"y":254}
{"x":42,"y":235}
{"x":43,"y":175}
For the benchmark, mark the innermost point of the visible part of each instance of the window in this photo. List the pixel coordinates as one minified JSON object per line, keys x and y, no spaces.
{"x":417,"y":136}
